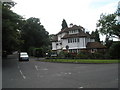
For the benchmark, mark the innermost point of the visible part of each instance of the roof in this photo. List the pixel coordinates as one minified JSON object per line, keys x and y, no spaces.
{"x":80,"y":34}
{"x":71,"y":28}
{"x":54,"y":39}
{"x":96,"y":45}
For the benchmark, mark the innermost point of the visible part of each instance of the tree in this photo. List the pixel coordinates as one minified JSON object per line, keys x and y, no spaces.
{"x":11,"y":23}
{"x":95,"y":34}
{"x":107,"y":25}
{"x":114,"y":50}
{"x":108,"y":42}
{"x":34,"y":34}
{"x":116,"y":30}
{"x":64,"y":24}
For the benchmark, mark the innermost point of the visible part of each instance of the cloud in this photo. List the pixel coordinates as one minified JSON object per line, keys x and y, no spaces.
{"x":51,"y":12}
{"x":6,"y":0}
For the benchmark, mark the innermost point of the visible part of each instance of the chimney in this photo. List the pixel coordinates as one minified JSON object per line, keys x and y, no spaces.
{"x":71,"y":25}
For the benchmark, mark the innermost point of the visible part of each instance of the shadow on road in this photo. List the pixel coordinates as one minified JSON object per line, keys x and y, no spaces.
{"x":9,"y":61}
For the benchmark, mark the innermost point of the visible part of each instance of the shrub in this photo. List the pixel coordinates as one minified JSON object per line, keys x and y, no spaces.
{"x":82,"y":55}
{"x":88,"y":55}
{"x":30,"y":51}
{"x":36,"y":52}
{"x":62,"y":54}
{"x":98,"y":55}
{"x":114,"y":51}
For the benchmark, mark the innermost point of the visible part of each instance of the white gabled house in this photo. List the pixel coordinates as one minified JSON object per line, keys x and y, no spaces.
{"x":75,"y":39}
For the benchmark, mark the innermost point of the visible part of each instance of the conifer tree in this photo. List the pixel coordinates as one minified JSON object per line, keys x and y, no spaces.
{"x":64,"y":24}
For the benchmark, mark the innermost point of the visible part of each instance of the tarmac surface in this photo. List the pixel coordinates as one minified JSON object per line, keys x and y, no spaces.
{"x":36,"y":74}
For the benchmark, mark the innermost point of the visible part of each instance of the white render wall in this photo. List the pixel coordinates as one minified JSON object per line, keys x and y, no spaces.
{"x":54,"y":46}
{"x":92,"y":40}
{"x":60,"y":36}
{"x":89,"y":40}
{"x":75,"y":45}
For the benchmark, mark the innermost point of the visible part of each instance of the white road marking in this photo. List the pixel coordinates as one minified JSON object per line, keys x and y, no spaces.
{"x":58,"y":74}
{"x":36,"y":67}
{"x":80,"y":87}
{"x":68,"y":73}
{"x":24,"y":77}
{"x":44,"y":69}
{"x":65,"y":73}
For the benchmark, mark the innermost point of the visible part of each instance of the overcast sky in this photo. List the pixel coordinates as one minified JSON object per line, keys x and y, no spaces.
{"x":52,"y":12}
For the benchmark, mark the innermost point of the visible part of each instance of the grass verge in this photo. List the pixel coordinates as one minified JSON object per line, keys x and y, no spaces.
{"x":80,"y":61}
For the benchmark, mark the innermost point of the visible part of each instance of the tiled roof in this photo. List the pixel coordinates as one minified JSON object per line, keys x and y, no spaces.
{"x":71,"y":28}
{"x":55,"y":39}
{"x":95,"y":45}
{"x":80,"y":34}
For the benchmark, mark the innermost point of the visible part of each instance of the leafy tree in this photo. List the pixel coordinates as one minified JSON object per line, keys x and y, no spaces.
{"x":116,"y":30}
{"x":64,"y":24}
{"x":51,"y":36}
{"x":114,"y":50}
{"x":11,"y":24}
{"x":95,"y":34}
{"x":107,"y":25}
{"x":34,"y":34}
{"x":108,"y":42}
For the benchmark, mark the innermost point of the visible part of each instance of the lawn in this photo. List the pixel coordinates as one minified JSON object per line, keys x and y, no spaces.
{"x":80,"y":61}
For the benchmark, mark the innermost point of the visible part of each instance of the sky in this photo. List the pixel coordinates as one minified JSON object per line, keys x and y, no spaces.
{"x":79,"y":12}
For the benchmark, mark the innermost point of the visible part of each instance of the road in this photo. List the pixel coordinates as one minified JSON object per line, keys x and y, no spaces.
{"x":36,"y":74}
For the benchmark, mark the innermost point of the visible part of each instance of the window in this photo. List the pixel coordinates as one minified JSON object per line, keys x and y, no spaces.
{"x":75,"y":31}
{"x":77,"y":39}
{"x":68,"y":40}
{"x":73,"y":40}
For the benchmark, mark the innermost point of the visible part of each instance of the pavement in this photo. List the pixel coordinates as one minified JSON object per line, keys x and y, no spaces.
{"x":36,"y":74}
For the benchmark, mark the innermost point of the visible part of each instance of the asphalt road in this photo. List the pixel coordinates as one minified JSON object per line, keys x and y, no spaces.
{"x":36,"y":74}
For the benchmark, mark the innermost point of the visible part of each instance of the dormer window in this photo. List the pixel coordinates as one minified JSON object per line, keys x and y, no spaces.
{"x":73,"y":32}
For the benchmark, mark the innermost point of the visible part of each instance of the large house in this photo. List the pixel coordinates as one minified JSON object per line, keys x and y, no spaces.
{"x":74,"y":39}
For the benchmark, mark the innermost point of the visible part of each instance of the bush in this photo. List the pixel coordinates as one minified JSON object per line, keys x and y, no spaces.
{"x":36,"y":52}
{"x":30,"y":51}
{"x":62,"y":54}
{"x":98,"y":55}
{"x":65,"y":54}
{"x":88,"y":55}
{"x":82,"y":55}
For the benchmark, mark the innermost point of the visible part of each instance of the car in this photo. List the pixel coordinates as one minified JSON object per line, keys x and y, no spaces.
{"x":23,"y":56}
